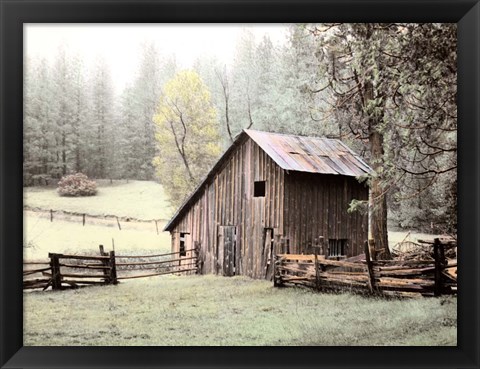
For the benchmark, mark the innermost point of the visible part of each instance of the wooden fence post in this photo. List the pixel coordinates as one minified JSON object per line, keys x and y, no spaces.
{"x":196,"y":251}
{"x":317,"y":276}
{"x":105,"y":263}
{"x":371,"y":276}
{"x":277,"y":277}
{"x":437,"y":255}
{"x":372,"y":249}
{"x":113,"y":268}
{"x":275,"y":258}
{"x":56,"y":276}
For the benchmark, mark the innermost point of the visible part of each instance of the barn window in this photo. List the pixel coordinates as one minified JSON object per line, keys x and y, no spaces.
{"x":337,"y":247}
{"x":259,"y":189}
{"x":183,"y":237}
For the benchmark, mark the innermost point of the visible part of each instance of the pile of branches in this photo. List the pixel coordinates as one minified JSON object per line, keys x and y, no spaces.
{"x":423,"y":250}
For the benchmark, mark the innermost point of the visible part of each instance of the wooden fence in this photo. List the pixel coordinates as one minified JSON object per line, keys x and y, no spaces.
{"x":383,"y":277}
{"x":72,"y":271}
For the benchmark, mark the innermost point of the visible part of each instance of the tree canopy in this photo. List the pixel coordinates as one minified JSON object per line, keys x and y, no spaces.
{"x":187,"y":134}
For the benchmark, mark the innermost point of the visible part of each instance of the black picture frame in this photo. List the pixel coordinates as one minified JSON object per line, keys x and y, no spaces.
{"x":14,"y":13}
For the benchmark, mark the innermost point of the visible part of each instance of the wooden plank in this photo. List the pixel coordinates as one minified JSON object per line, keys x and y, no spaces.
{"x":401,"y":267}
{"x":56,"y":276}
{"x":281,"y":200}
{"x":405,"y":281}
{"x":80,"y":266}
{"x":437,"y":254}
{"x":80,"y":257}
{"x":33,"y":271}
{"x":321,"y":261}
{"x":76,"y":281}
{"x":396,"y":263}
{"x":155,"y":274}
{"x":36,"y":262}
{"x":106,"y":272}
{"x":40,"y":285}
{"x":157,"y":262}
{"x":371,"y":280}
{"x":36,"y":280}
{"x":402,"y":294}
{"x":75,"y":275}
{"x":405,"y":272}
{"x":401,"y":287}
{"x":113,"y":268}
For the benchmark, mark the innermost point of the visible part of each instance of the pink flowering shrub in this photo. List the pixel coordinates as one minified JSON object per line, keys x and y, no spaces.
{"x":76,"y":184}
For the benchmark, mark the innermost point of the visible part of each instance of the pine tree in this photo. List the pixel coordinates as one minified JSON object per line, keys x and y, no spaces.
{"x":102,"y":133}
{"x":396,"y":85}
{"x":38,"y":139}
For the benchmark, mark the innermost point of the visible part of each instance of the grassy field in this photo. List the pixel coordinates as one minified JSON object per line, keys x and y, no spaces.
{"x":67,"y":236}
{"x":209,"y":310}
{"x":136,"y":199}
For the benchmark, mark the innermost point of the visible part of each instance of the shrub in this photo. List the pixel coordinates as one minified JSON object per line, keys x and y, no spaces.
{"x":76,"y":184}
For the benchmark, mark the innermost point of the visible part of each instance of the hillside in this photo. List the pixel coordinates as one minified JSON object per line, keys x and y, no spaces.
{"x":145,"y":200}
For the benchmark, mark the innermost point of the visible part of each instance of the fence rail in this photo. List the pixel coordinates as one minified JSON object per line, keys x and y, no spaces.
{"x":72,"y":271}
{"x":384,"y":277}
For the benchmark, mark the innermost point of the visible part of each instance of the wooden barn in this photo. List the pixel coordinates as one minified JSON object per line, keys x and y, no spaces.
{"x":273,"y":193}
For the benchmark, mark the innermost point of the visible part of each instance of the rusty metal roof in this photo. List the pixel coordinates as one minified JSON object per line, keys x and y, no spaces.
{"x":291,"y":153}
{"x":310,"y":154}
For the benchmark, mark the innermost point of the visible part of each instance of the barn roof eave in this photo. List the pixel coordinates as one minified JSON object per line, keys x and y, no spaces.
{"x":182,"y":209}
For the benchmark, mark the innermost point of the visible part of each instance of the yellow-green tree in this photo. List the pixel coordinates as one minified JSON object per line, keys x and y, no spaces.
{"x":187,"y":135}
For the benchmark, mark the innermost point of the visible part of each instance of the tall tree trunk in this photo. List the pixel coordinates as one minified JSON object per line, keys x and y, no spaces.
{"x":64,"y":155}
{"x":378,"y":198}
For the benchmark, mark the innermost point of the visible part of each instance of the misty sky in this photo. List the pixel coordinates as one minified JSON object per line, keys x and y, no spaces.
{"x":120,"y":44}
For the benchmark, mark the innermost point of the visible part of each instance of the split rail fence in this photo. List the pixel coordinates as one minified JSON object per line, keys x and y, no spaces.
{"x":403,"y":278}
{"x":71,"y":271}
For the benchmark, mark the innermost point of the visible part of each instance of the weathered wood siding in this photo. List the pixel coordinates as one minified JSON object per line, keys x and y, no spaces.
{"x":227,"y":200}
{"x":316,"y":206}
{"x":297,"y":209}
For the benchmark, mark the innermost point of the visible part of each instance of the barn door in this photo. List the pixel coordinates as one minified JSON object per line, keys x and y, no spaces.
{"x":227,"y":244}
{"x":267,"y":254}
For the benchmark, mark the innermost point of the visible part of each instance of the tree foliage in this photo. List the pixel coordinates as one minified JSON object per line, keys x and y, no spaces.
{"x":395,"y":85}
{"x":187,"y":134}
